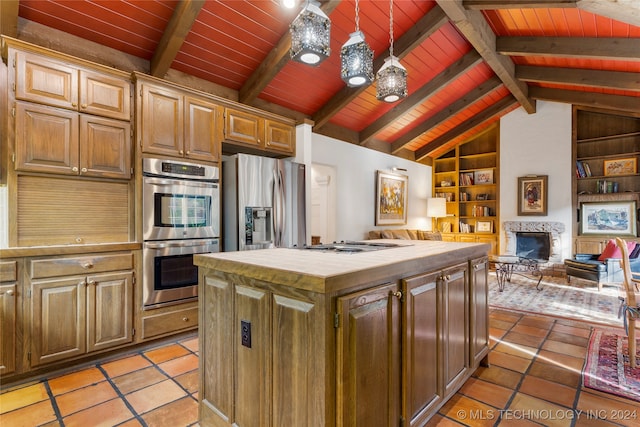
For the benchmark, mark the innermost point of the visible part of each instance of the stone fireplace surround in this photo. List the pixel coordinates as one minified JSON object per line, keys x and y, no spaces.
{"x":555,"y":230}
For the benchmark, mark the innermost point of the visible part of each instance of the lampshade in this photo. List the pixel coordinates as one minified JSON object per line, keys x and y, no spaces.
{"x":356,"y":61}
{"x":436,"y":207}
{"x":310,"y":35}
{"x":392,"y":80}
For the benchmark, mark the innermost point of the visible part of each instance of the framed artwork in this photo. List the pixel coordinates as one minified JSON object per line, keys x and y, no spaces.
{"x":484,"y":176}
{"x":532,"y":195}
{"x":620,"y":167}
{"x":484,"y":227}
{"x":391,"y":198}
{"x":610,"y":218}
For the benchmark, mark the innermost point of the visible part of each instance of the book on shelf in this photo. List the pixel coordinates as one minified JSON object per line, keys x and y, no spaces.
{"x":466,"y":178}
{"x":465,"y":228}
{"x":480,"y":211}
{"x":582,"y":169}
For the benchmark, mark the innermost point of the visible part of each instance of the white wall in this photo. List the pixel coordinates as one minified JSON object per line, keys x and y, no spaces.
{"x":356,"y":184}
{"x":537,"y":144}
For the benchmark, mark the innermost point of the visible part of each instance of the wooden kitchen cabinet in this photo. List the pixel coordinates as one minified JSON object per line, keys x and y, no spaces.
{"x":368,"y":357}
{"x":53,"y":140}
{"x":258,"y":133}
{"x":173,"y":122}
{"x":60,"y":83}
{"x":265,"y":331}
{"x":79,"y":304}
{"x":9,"y":298}
{"x":479,"y":311}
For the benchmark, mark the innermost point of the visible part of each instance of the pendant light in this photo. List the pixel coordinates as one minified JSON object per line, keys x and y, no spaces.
{"x":392,"y":76}
{"x":310,"y":35}
{"x":356,"y":58}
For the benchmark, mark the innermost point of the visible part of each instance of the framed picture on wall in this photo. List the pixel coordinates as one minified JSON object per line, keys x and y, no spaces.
{"x":391,"y":198}
{"x":610,"y":218}
{"x":532,"y":195}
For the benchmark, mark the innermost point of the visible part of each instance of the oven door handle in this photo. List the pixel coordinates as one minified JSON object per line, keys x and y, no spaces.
{"x":188,"y":183}
{"x":153,"y":245}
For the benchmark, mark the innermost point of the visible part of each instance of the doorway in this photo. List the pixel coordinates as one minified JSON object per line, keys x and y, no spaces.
{"x":323,"y":202}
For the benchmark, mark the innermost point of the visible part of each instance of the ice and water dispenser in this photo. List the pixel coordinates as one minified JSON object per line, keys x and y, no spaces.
{"x":258,"y":226}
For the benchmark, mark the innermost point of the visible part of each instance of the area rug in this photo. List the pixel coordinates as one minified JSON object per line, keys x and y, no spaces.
{"x":579,"y":300}
{"x":607,"y":367}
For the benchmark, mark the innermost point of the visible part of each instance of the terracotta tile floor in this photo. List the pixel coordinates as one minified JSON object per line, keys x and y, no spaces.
{"x":534,"y":379}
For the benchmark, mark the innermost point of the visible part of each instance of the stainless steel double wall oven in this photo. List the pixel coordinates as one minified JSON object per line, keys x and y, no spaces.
{"x":181,"y":217}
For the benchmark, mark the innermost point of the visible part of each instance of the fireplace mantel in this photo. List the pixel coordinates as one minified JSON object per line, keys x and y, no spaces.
{"x":554,"y":228}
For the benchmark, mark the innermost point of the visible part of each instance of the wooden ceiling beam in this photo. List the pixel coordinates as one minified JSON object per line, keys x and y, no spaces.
{"x":621,"y":10}
{"x":571,"y":47}
{"x":521,"y":4}
{"x":439,"y":82}
{"x":274,"y":62}
{"x":579,"y":77}
{"x":184,"y":15}
{"x":9,"y":17}
{"x":417,"y":34}
{"x":446,"y":113}
{"x":589,"y":99}
{"x":474,"y":27}
{"x":496,"y":109}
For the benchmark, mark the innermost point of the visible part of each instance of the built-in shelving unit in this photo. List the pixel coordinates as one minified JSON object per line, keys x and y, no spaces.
{"x":468,"y":177}
{"x":606,"y":153}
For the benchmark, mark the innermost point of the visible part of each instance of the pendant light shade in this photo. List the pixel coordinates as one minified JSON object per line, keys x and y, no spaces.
{"x":356,"y":57}
{"x":356,"y":61}
{"x":392,"y":76}
{"x":310,"y":35}
{"x":392,"y":81}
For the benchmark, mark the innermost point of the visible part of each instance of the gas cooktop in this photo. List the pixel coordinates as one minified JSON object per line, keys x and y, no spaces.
{"x":349,"y":246}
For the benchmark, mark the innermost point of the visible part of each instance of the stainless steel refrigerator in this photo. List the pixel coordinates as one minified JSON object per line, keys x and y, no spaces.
{"x":263,"y":203}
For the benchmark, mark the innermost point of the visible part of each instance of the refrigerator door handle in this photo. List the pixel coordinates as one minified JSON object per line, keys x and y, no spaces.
{"x":278,"y":208}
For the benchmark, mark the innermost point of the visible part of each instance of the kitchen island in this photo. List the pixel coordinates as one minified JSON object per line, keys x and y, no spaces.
{"x":312,"y":338}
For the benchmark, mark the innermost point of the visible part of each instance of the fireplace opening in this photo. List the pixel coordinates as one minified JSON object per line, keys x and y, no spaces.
{"x":533,"y":245}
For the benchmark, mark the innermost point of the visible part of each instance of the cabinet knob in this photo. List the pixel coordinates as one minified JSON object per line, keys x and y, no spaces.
{"x":397,"y":294}
{"x":75,"y":169}
{"x":181,"y":152}
{"x":83,"y":170}
{"x":9,"y":292}
{"x":91,"y":282}
{"x":87,"y":265}
{"x":188,"y":152}
{"x":78,"y":239}
{"x":73,"y":104}
{"x":84,"y":105}
{"x":185,"y":319}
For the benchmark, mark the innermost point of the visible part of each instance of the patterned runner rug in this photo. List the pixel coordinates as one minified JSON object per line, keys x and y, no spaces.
{"x":578,"y":300}
{"x":607,"y":368}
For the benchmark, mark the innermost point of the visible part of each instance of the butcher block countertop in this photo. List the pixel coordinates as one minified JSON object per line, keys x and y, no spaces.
{"x":327,"y":272}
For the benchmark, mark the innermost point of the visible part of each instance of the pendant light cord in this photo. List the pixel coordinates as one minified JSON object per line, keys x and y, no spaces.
{"x":357,"y":16}
{"x":390,"y":28}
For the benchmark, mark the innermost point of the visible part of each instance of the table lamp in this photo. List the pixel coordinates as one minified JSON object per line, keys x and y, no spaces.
{"x":436,"y":208}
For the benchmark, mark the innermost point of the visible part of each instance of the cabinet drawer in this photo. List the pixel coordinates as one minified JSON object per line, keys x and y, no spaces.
{"x":165,"y":323}
{"x":52,"y":267}
{"x":8,"y":271}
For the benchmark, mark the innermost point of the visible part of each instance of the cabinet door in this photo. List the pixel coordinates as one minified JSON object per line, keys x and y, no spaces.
{"x":105,"y":147}
{"x":46,"y":81}
{"x":8,"y":331}
{"x":105,"y":95}
{"x":46,"y":139}
{"x":244,"y":128}
{"x":455,"y":334}
{"x":203,"y":130}
{"x":109,"y":310}
{"x":479,"y":310}
{"x":490,"y":239}
{"x":590,"y":245}
{"x":421,"y":373}
{"x":58,"y":328}
{"x":162,"y":126}
{"x":368,"y":358}
{"x":280,"y":137}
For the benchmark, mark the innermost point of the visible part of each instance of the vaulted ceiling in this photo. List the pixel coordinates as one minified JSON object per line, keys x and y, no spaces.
{"x":469,"y":62}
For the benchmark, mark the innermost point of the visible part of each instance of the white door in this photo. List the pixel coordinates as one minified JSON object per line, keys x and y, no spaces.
{"x":323,"y":202}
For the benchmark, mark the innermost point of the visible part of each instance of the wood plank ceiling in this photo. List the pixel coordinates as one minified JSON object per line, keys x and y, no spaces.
{"x":469,"y":62}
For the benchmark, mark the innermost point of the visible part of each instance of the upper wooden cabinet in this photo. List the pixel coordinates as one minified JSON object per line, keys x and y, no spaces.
{"x":259,"y":133}
{"x":173,"y":122}
{"x":54,"y":82}
{"x":54,"y":140}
